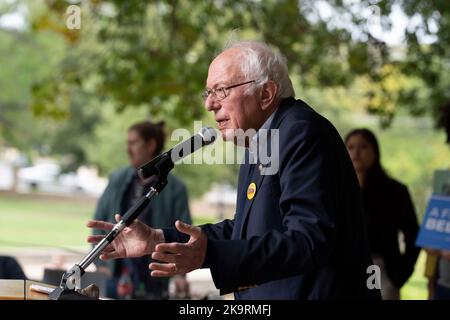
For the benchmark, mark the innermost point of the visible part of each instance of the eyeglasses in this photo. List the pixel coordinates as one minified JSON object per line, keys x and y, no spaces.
{"x":222,"y":93}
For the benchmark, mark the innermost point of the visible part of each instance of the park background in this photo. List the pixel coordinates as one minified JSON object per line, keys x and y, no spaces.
{"x":69,"y":92}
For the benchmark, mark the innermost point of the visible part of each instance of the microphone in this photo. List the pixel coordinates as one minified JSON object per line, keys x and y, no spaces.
{"x":204,"y":137}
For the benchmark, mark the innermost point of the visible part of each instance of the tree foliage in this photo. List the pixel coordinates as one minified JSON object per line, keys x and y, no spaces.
{"x":424,"y":56}
{"x":157,"y":52}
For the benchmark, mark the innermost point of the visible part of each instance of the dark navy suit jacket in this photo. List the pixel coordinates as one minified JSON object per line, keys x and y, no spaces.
{"x":303,"y":234}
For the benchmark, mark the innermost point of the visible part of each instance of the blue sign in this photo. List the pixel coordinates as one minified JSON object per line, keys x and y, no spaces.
{"x":435,"y":230}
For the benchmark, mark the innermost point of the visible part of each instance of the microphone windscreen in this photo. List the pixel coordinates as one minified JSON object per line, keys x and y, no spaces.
{"x":208,"y":134}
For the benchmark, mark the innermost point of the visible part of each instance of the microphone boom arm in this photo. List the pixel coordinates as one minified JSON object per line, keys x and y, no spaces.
{"x":160,"y":167}
{"x":70,"y":285}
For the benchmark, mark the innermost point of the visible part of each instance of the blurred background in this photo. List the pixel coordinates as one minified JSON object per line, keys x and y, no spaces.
{"x":70,"y":88}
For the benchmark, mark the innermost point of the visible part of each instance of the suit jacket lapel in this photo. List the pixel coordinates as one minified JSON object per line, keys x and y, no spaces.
{"x":256,"y":178}
{"x":243,"y":174}
{"x":240,"y":201}
{"x":244,"y":205}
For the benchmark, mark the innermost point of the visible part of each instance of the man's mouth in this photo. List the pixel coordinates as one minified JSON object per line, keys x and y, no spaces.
{"x":221,"y":124}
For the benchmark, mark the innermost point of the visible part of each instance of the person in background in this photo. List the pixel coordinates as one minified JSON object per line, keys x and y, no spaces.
{"x":437,"y":270}
{"x":389,"y":211}
{"x":437,"y":267}
{"x":11,"y":269}
{"x":130,"y":278}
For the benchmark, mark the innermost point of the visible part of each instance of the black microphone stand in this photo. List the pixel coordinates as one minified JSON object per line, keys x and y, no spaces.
{"x":70,"y":286}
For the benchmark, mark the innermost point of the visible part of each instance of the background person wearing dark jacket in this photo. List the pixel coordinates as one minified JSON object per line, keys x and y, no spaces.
{"x":437,"y":265}
{"x":145,"y":141}
{"x":389,"y":211}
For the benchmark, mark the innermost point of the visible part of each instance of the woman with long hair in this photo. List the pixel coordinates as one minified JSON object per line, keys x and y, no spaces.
{"x":389,"y":213}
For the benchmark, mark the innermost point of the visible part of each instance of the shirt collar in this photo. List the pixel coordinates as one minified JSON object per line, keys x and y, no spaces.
{"x":253,"y":146}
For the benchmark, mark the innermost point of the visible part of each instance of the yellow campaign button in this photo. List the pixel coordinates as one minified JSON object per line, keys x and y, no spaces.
{"x":251,"y":191}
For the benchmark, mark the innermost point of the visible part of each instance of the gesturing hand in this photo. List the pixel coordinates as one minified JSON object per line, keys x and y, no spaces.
{"x":134,"y":241}
{"x":180,"y":258}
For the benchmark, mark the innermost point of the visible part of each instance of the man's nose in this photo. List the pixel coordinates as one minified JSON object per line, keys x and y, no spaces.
{"x":211,"y":104}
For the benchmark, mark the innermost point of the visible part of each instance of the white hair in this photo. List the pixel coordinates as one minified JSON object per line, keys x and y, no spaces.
{"x":259,"y":62}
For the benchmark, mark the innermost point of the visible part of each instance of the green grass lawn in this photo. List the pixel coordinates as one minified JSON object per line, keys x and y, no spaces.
{"x":27,"y":222}
{"x":54,"y":223}
{"x":37,"y":222}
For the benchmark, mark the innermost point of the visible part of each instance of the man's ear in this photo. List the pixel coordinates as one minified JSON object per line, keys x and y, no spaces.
{"x":268,"y":93}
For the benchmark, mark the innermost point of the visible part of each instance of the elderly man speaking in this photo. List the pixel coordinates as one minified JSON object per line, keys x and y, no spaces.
{"x":297,"y":234}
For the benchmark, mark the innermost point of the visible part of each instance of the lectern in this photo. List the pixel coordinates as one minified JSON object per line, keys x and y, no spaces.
{"x":20,"y":290}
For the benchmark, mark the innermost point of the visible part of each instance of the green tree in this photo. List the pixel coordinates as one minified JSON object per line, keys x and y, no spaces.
{"x":157,"y":52}
{"x":424,"y":54}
